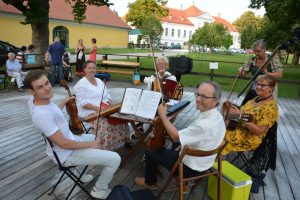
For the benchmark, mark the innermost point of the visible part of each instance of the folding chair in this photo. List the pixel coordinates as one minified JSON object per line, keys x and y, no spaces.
{"x":264,"y":156}
{"x":68,"y":172}
{"x":179,"y":166}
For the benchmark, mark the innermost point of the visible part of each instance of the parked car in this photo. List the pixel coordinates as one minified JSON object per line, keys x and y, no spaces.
{"x":175,"y":46}
{"x":5,"y":48}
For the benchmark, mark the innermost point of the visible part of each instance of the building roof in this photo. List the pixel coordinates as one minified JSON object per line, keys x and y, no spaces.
{"x":227,"y":24}
{"x":177,"y":16}
{"x":135,"y":32}
{"x":60,"y":10}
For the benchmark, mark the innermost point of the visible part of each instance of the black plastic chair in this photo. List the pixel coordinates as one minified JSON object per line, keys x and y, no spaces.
{"x":68,"y":171}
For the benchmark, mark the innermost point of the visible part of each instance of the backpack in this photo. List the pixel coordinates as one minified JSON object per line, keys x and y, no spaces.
{"x":180,"y":65}
{"x":121,"y":192}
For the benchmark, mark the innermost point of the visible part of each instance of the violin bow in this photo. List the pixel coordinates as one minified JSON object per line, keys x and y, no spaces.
{"x":234,"y":84}
{"x":155,"y":67}
{"x":99,"y":111}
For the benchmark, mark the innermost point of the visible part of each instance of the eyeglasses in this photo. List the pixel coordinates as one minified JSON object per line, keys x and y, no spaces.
{"x":261,"y":85}
{"x":203,"y":97}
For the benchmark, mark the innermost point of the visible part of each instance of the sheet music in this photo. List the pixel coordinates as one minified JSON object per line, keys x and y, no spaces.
{"x":130,"y":100}
{"x":142,"y":103}
{"x":148,"y":103}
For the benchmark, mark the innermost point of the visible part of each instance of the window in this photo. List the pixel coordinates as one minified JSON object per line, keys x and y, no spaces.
{"x":179,"y":32}
{"x":63,"y":34}
{"x":190,"y":34}
{"x":172,"y":34}
{"x":184,"y":33}
{"x":166,"y":32}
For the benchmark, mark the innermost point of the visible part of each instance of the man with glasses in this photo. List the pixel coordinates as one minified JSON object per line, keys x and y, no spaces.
{"x":274,"y":69}
{"x":205,"y":133}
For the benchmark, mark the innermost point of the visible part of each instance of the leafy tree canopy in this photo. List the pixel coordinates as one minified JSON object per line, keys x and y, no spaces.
{"x":249,"y":26}
{"x":212,"y":35}
{"x":152,"y":28}
{"x":36,"y":11}
{"x":142,"y":9}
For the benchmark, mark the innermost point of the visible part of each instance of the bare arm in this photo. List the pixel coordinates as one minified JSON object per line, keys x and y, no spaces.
{"x":170,"y":128}
{"x":276,"y":75}
{"x":89,"y":106}
{"x":64,"y":143}
{"x":63,"y":103}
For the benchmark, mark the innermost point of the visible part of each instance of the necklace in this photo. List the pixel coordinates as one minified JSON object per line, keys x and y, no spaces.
{"x":258,"y":99}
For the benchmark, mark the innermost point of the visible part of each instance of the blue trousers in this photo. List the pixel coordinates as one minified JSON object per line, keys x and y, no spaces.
{"x":56,"y":69}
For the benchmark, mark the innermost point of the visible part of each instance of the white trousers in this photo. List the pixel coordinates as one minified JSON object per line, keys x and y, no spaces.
{"x":19,"y":76}
{"x":109,"y":160}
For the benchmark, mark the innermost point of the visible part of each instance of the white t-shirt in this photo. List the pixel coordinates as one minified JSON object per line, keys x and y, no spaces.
{"x":149,"y":80}
{"x":205,"y":133}
{"x":86,"y":93}
{"x":48,"y":119}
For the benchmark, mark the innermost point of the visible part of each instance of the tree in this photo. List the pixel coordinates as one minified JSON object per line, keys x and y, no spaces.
{"x":142,"y":9}
{"x":248,"y":25}
{"x":36,"y":13}
{"x":283,"y":16}
{"x":153,"y":28}
{"x":212,"y":35}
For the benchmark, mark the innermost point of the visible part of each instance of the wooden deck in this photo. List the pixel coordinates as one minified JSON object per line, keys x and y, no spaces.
{"x":27,"y":173}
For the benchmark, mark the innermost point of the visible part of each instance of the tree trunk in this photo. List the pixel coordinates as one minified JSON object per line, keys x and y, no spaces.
{"x":40,"y":39}
{"x":295,"y":60}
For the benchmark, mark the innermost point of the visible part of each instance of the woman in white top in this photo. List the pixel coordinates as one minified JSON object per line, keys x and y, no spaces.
{"x":162,"y":65}
{"x":88,"y":91}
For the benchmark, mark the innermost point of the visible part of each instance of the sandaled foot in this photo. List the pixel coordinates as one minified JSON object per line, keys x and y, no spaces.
{"x":141,"y":181}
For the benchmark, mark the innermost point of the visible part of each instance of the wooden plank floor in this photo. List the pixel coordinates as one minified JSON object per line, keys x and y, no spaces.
{"x":27,"y":173}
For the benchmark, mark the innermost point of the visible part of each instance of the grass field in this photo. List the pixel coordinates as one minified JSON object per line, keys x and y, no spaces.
{"x":285,"y":90}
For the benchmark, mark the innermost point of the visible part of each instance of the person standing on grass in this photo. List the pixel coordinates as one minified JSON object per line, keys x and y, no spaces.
{"x":93,"y":52}
{"x":56,"y":51}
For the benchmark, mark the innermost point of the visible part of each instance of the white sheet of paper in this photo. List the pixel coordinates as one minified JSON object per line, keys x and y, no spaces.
{"x":130,"y":100}
{"x":148,"y":104}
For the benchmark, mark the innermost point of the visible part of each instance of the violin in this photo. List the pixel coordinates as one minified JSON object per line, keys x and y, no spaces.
{"x":74,"y":122}
{"x":157,"y":139}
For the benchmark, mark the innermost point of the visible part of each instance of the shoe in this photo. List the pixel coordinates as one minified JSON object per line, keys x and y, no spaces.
{"x":21,"y":90}
{"x":141,"y":181}
{"x":100,"y":194}
{"x":86,"y":178}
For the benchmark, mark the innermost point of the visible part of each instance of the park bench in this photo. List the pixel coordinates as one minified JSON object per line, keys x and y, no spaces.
{"x":119,"y":67}
{"x":28,"y":67}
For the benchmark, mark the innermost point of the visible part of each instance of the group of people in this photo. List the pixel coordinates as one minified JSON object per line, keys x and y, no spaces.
{"x":205,"y":133}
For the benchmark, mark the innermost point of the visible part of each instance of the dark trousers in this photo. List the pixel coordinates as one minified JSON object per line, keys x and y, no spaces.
{"x":166,"y":158}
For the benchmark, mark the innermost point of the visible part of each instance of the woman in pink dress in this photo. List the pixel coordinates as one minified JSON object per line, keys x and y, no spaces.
{"x":93,"y":52}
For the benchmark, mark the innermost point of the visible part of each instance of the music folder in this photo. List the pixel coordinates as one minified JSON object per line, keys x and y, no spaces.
{"x":141,"y":103}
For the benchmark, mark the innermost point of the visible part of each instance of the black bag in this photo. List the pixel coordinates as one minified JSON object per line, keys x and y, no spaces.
{"x":121,"y":192}
{"x":180,"y":65}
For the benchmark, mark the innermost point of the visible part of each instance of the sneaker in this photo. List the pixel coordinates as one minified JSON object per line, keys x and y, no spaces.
{"x":87,"y":178}
{"x":141,"y":181}
{"x":100,"y":194}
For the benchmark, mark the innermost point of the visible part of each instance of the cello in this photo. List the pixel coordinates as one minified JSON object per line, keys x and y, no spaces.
{"x":71,"y":107}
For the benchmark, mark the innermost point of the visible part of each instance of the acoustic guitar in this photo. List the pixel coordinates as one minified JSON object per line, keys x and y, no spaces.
{"x":232,"y":120}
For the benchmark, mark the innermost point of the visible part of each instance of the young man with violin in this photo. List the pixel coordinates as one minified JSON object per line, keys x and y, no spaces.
{"x":205,"y":133}
{"x":71,"y":149}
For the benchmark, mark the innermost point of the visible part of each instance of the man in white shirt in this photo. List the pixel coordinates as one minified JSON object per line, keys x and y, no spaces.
{"x":71,"y":149}
{"x":205,"y":133}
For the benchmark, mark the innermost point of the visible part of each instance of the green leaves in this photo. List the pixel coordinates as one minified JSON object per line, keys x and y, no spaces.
{"x":152,"y":28}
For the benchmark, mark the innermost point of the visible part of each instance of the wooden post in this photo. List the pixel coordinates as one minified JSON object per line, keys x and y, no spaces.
{"x":211,"y":74}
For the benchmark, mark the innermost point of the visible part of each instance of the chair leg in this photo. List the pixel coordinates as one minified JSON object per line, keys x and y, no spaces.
{"x":181,"y":181}
{"x":77,"y":182}
{"x":86,"y":130}
{"x":219,"y":177}
{"x":59,"y":180}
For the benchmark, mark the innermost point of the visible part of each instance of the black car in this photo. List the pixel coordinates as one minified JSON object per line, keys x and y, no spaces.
{"x":5,"y":48}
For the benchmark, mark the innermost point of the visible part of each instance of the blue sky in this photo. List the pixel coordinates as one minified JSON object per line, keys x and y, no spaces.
{"x":228,"y":9}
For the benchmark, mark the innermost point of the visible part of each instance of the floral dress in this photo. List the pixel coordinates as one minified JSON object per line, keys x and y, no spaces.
{"x":241,"y":139}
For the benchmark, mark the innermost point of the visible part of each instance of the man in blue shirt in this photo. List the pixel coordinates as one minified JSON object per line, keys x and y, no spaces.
{"x":56,"y":50}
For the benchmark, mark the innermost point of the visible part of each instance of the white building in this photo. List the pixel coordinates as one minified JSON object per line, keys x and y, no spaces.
{"x":180,"y":25}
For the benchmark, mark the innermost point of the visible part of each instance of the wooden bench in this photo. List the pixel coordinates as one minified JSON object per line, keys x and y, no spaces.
{"x":33,"y":66}
{"x":118,"y":67}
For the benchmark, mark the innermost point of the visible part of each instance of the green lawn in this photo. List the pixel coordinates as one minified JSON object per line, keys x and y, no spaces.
{"x":285,"y":90}
{"x":112,"y":51}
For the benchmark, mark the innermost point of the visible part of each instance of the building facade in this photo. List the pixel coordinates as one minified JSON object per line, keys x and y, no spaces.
{"x":100,"y":23}
{"x":180,"y":25}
